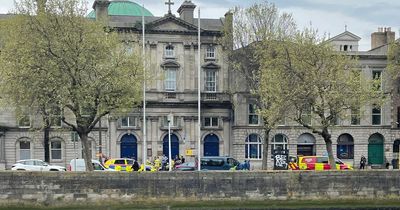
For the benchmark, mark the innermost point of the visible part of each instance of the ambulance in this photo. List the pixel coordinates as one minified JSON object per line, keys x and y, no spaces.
{"x":318,"y":163}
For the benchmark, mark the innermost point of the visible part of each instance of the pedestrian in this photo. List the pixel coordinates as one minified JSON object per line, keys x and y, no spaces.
{"x":182,"y":159}
{"x":363,"y":161}
{"x":164,"y":161}
{"x":135,"y":166}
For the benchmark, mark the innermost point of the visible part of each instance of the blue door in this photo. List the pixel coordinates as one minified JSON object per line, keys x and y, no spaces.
{"x":211,"y":145}
{"x":129,"y":146}
{"x":174,"y":146}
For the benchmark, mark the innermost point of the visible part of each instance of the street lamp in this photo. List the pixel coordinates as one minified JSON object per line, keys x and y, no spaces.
{"x":170,"y":120}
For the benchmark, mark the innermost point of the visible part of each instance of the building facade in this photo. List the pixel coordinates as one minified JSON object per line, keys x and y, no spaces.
{"x":229,"y":121}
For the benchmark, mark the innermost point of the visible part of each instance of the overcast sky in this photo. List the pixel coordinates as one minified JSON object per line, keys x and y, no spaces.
{"x":362,"y":17}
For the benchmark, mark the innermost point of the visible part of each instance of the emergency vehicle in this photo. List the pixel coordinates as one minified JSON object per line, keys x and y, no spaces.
{"x":119,"y":164}
{"x":318,"y":163}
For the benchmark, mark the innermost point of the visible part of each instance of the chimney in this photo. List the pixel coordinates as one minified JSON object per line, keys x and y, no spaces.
{"x":186,"y":11}
{"x":228,"y":29}
{"x":382,"y":37}
{"x":41,"y":6}
{"x":101,"y":9}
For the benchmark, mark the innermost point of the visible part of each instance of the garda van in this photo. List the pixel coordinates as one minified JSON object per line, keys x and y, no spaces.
{"x":218,"y":163}
{"x":79,"y":165}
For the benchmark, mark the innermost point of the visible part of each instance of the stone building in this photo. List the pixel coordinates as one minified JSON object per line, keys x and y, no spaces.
{"x":370,"y":130}
{"x":229,"y":122}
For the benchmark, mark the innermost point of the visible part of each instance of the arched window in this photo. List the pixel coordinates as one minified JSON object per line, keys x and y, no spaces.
{"x":279,"y":142}
{"x":345,"y":147}
{"x":169,"y":51}
{"x":24,"y":149}
{"x":306,"y":145}
{"x":253,"y":147}
{"x":56,"y":149}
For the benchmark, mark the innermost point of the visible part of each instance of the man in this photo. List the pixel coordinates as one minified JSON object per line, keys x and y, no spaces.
{"x":363,"y":161}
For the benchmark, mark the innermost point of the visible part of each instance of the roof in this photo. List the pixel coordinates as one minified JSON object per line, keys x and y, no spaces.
{"x":124,"y":8}
{"x":347,"y":35}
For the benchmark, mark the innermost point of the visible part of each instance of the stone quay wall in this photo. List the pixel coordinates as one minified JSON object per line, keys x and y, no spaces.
{"x":61,"y":188}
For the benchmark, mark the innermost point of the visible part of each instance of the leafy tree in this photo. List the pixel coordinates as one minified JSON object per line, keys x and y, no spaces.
{"x":249,"y":27}
{"x":314,"y":83}
{"x":58,"y":59}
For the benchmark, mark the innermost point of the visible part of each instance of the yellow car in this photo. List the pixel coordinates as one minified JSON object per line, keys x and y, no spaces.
{"x":119,"y":164}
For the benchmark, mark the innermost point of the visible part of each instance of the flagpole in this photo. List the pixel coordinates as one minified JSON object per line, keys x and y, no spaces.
{"x":144,"y":91}
{"x":199,"y":93}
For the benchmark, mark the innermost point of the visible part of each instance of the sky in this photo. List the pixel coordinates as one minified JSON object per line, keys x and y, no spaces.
{"x":362,"y":17}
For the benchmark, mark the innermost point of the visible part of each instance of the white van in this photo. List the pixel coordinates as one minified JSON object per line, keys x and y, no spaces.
{"x":79,"y":165}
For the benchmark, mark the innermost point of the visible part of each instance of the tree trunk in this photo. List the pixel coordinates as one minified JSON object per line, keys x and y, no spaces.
{"x":46,"y":143}
{"x":265,"y":149}
{"x":86,"y":152}
{"x":328,"y":143}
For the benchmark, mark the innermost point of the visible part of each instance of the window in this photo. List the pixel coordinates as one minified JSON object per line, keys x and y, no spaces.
{"x":174,"y":123}
{"x":210,"y":52}
{"x":169,"y":51}
{"x":279,"y":142}
{"x":24,"y":150}
{"x":211,"y":122}
{"x":55,"y":150}
{"x":253,"y":116}
{"x":355,"y":116}
{"x":345,"y":147}
{"x":211,"y":81}
{"x":170,"y":79}
{"x":128,"y":122}
{"x":55,"y":117}
{"x":253,"y":147}
{"x":376,"y":115}
{"x":306,"y":115}
{"x":24,"y":121}
{"x":377,"y":81}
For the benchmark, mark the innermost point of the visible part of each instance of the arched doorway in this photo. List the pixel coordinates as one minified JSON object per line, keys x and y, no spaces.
{"x":129,"y":146}
{"x":306,"y":144}
{"x":375,"y":149}
{"x":174,"y":145}
{"x":345,"y":147}
{"x":211,"y":145}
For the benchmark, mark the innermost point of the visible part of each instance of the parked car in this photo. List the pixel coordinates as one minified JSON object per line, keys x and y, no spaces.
{"x":319,"y":163}
{"x":80,"y":165}
{"x":35,"y":165}
{"x":218,"y":163}
{"x":187,"y":166}
{"x":119,"y":164}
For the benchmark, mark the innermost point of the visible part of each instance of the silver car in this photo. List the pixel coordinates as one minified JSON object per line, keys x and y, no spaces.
{"x":35,"y":165}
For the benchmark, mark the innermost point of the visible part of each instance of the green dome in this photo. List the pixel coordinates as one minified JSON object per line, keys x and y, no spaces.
{"x":123,"y":8}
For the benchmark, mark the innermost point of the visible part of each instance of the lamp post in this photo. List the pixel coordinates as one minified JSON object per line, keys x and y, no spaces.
{"x":170,"y":120}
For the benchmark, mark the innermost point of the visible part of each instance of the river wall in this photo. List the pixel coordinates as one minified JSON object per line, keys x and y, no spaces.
{"x":61,"y":188}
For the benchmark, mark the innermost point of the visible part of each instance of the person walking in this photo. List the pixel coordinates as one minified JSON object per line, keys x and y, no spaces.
{"x":363,"y":161}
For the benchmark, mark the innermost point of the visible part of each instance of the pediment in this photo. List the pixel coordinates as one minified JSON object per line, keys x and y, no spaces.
{"x":346,"y":36}
{"x":170,"y":26}
{"x":170,"y":64}
{"x":211,"y":65}
{"x":171,"y":23}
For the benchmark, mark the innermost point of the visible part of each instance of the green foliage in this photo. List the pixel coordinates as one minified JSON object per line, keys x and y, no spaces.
{"x":303,"y":76}
{"x":59,"y":58}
